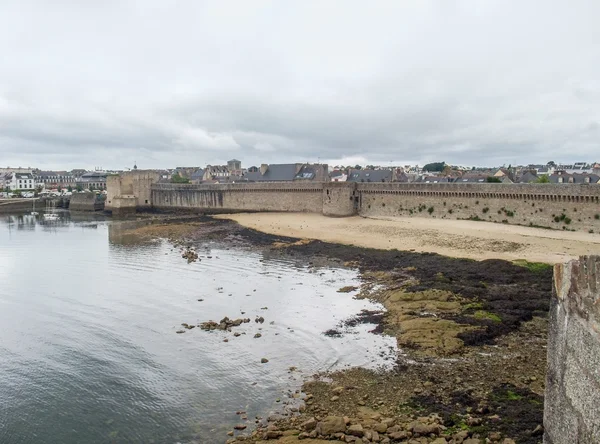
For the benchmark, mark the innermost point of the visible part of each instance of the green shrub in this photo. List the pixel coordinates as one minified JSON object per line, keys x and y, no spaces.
{"x":596,"y":216}
{"x":485,"y":210}
{"x":430,"y":210}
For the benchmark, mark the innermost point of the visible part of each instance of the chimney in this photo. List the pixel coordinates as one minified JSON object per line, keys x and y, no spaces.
{"x":263,"y":168}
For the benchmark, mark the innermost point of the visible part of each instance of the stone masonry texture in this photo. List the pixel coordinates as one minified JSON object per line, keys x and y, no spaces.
{"x":572,"y":403}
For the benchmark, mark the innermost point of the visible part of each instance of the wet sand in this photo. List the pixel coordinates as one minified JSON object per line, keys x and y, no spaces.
{"x":454,"y":238}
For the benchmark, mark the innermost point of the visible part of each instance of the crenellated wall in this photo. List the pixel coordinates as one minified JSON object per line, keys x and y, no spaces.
{"x":543,"y":205}
{"x":557,"y":206}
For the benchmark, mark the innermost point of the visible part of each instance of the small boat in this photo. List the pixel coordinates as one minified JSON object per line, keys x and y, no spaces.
{"x":34,"y":213}
{"x":50,"y":216}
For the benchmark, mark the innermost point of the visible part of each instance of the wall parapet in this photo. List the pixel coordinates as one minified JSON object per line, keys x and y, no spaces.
{"x":241,"y":187}
{"x":551,"y":192}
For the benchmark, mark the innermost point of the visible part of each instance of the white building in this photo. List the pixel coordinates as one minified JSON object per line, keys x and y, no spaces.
{"x":22,"y":181}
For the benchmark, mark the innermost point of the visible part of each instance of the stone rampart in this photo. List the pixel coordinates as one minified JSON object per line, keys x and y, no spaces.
{"x":572,"y":401}
{"x":130,"y":191}
{"x":289,"y":197}
{"x":86,"y":202}
{"x":557,"y":206}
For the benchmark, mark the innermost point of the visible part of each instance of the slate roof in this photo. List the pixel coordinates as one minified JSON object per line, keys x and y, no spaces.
{"x":577,"y":178}
{"x":276,"y":173}
{"x":370,"y":176}
{"x":528,"y":177}
{"x":23,"y":175}
{"x":472,"y":179}
{"x":433,"y":179}
{"x":198,"y":174}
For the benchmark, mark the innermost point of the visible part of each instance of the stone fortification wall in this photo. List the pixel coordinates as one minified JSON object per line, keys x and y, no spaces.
{"x":340,"y":199}
{"x":130,"y":191}
{"x":293,"y":197}
{"x":544,"y":205}
{"x":572,"y":403}
{"x":557,"y":206}
{"x":86,"y":202}
{"x":17,"y":205}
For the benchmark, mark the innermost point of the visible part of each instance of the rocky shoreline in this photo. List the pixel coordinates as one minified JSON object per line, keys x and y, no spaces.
{"x":472,"y":333}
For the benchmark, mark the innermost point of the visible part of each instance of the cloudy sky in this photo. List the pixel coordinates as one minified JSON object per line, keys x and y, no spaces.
{"x":167,"y":83}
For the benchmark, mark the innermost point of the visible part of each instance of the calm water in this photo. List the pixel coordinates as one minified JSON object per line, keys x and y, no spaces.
{"x":89,"y":353}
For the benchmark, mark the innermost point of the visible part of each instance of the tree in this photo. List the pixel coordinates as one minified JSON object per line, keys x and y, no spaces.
{"x":357,"y":167}
{"x":543,"y":179}
{"x":551,"y":164}
{"x":447,"y":171}
{"x":79,"y":188}
{"x":493,"y":179}
{"x":435,"y":166}
{"x":7,"y":189}
{"x":70,"y":189}
{"x":177,"y":178}
{"x":59,"y":188}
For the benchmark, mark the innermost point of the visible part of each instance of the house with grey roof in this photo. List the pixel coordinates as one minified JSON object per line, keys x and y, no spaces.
{"x":287,"y":172}
{"x":197,"y":176}
{"x":369,"y":175}
{"x":528,"y":177}
{"x":581,"y":178}
{"x":433,"y":179}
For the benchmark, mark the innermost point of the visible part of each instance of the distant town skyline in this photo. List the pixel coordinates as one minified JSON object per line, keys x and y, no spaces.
{"x":191,"y":83}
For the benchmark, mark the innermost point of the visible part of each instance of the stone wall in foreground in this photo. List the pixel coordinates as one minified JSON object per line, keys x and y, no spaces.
{"x":572,"y":403}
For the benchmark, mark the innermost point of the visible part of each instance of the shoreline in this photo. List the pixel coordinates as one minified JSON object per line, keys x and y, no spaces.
{"x":472,"y":356}
{"x":451,"y":238}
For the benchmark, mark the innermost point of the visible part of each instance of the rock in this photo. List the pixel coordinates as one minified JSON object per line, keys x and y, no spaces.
{"x":472,"y":441}
{"x":425,"y":429}
{"x":508,"y":441}
{"x":380,"y":427}
{"x":495,"y":436}
{"x":439,"y":441}
{"x":264,"y":360}
{"x":334,"y":398}
{"x":240,"y":427}
{"x":230,"y":433}
{"x":459,"y":437}
{"x":257,"y":335}
{"x":309,"y":425}
{"x":180,"y":331}
{"x":259,"y":319}
{"x":337,"y":390}
{"x":375,"y":437}
{"x":331,"y":425}
{"x":356,"y":430}
{"x":398,"y":435}
{"x":273,"y":434}
{"x":474,"y":421}
{"x":539,"y":430}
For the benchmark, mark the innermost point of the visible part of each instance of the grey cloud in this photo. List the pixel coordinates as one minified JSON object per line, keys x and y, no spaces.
{"x":167,"y":84}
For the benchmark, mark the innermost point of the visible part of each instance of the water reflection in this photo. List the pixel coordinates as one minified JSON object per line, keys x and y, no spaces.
{"x":90,"y":351}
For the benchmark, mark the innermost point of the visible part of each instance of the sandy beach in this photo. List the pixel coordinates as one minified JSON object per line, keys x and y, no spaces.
{"x":454,"y":238}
